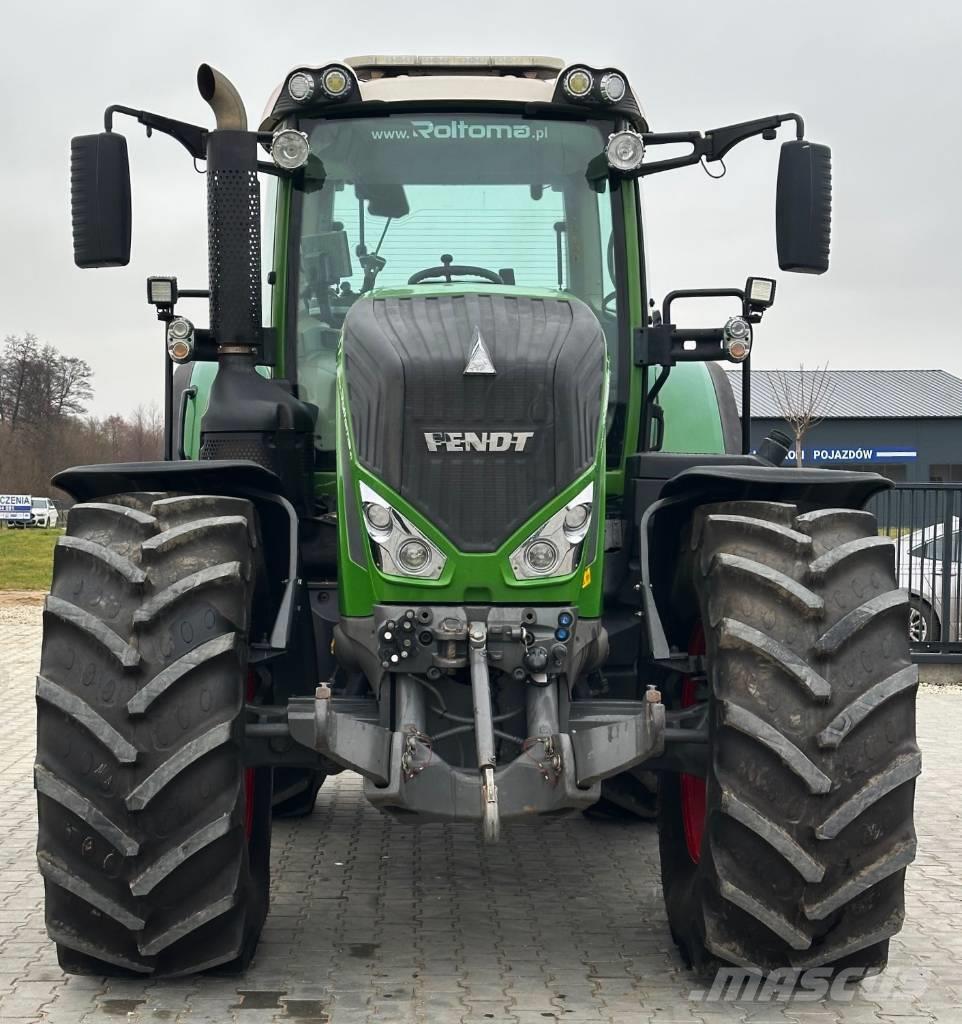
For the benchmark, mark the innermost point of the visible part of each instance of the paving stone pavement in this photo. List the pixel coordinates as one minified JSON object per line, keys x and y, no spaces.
{"x":376,"y":921}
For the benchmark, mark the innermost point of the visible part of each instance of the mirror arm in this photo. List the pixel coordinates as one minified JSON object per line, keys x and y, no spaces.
{"x":721,"y":140}
{"x":191,"y":136}
{"x":714,"y":144}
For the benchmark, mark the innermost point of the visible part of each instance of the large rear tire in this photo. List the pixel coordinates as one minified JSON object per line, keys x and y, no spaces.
{"x":800,"y":857}
{"x":154,"y":840}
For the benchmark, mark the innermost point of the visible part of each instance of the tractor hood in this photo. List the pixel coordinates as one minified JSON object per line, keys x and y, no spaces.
{"x":477,"y":408}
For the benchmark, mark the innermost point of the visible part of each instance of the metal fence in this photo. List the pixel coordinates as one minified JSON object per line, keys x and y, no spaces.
{"x":924,"y":521}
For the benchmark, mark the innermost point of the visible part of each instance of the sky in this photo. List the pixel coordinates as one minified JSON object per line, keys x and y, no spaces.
{"x":877,"y":81}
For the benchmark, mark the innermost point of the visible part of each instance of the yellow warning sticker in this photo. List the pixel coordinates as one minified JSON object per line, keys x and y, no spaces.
{"x":586,"y":579}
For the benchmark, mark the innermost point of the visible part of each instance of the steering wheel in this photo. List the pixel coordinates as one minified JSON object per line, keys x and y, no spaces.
{"x":450,"y":269}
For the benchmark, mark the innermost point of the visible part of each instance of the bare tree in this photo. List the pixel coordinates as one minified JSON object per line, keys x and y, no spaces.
{"x":39,"y":384}
{"x":70,"y":386}
{"x":17,"y":372}
{"x":43,"y":399}
{"x":804,"y":398}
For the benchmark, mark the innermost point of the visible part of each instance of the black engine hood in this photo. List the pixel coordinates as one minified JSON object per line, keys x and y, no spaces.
{"x":476,"y":453}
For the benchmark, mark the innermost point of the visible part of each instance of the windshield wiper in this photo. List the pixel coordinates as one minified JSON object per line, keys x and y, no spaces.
{"x":372,"y":263}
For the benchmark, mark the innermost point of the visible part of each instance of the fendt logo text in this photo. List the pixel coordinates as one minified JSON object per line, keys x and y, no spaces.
{"x":485,"y":441}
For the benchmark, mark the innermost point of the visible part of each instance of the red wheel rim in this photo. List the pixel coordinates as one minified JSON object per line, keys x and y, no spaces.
{"x":693,"y":788}
{"x":249,"y":773}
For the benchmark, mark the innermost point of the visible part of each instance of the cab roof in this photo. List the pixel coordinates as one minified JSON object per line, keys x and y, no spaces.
{"x":412,"y":79}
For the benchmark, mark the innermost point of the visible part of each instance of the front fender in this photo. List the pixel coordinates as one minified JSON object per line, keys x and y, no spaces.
{"x":664,"y":521}
{"x":236,"y":478}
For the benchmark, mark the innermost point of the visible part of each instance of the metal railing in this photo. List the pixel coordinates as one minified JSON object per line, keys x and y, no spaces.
{"x":925,"y":521}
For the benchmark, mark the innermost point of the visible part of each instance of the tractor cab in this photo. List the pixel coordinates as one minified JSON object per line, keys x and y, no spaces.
{"x":446,"y":176}
{"x":466,"y":514}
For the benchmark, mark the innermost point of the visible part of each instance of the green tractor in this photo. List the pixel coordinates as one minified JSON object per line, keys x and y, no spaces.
{"x":460,"y":510}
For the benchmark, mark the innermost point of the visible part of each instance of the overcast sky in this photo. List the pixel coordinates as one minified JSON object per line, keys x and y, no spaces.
{"x":879,"y":82}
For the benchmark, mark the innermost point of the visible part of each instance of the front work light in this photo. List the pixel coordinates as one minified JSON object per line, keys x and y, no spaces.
{"x":335,"y":82}
{"x":613,"y":87}
{"x":577,"y":83}
{"x":300,"y":86}
{"x":290,"y":148}
{"x":625,"y":150}
{"x":162,"y":291}
{"x":180,"y":339}
{"x":760,"y":292}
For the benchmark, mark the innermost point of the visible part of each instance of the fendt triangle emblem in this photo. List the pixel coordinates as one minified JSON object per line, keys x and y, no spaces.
{"x":480,"y":359}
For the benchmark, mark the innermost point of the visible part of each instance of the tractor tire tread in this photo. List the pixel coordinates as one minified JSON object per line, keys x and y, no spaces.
{"x":813,"y":757}
{"x":146,"y":862}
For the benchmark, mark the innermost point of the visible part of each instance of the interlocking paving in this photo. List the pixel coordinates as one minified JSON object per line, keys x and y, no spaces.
{"x":372,"y":920}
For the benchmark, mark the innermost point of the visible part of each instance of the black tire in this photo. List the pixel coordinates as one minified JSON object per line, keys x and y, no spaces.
{"x":154,"y":841}
{"x":811,"y":775}
{"x":295,"y":791}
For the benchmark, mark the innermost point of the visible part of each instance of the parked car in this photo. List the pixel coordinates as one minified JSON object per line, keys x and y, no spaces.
{"x":923,"y":558}
{"x":43,"y":513}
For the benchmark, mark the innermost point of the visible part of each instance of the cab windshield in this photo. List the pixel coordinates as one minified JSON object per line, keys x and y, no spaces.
{"x":388,"y":202}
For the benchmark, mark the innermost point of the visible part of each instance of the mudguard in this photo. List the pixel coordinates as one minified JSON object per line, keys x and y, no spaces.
{"x":745,"y":478}
{"x":237,"y":478}
{"x":231,"y":477}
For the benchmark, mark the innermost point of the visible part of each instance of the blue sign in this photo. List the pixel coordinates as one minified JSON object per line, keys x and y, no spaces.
{"x":833,"y":453}
{"x":15,"y":507}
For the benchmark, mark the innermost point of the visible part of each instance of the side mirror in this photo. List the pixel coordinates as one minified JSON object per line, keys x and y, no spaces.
{"x":100,"y":200}
{"x":803,"y":207}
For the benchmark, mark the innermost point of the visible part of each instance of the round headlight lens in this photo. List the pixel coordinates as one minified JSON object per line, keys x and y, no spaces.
{"x":180,"y":329}
{"x":179,"y":351}
{"x":575,"y":518}
{"x":413,"y":555}
{"x":613,"y":87}
{"x":290,"y":149}
{"x":335,"y":82}
{"x":625,"y":150}
{"x":541,"y":556}
{"x":378,"y":516}
{"x":300,"y":87}
{"x":737,"y":329}
{"x":577,"y":83}
{"x":738,"y":351}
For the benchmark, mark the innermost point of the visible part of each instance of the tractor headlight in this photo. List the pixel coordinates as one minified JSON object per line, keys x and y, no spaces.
{"x":400,"y":547}
{"x":540,"y":556}
{"x":738,"y":339}
{"x":554,"y":549}
{"x":290,"y":148}
{"x":625,"y":150}
{"x":378,"y":517}
{"x":413,"y":555}
{"x":180,"y":339}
